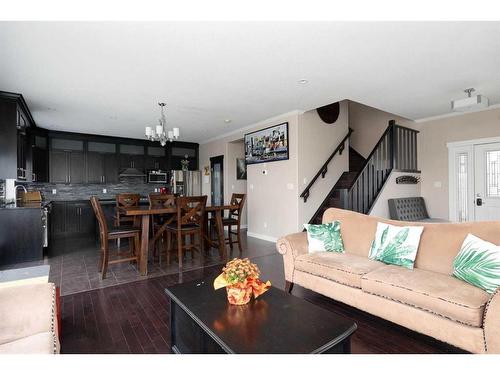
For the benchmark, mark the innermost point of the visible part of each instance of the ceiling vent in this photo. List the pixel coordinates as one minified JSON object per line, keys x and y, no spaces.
{"x":471,"y":103}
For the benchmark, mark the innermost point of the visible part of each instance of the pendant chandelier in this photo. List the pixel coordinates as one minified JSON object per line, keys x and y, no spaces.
{"x":160,"y":133}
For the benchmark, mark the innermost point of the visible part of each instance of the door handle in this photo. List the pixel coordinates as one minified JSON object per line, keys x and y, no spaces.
{"x":479,"y":201}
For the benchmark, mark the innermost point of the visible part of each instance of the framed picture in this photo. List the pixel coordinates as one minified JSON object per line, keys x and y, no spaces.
{"x":241,"y":169}
{"x":266,"y":145}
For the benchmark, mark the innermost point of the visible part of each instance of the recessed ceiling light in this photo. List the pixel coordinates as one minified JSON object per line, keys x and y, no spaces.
{"x":303,"y":82}
{"x":227,"y":121}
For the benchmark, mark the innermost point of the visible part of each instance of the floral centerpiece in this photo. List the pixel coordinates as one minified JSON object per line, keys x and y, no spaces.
{"x":241,"y":279}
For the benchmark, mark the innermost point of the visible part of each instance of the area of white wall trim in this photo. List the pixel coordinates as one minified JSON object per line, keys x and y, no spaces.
{"x":262,"y":237}
{"x":472,"y":142}
{"x":455,"y":114}
{"x":252,"y":126}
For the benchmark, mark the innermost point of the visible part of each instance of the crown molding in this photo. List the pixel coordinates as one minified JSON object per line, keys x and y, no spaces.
{"x":295,"y":112}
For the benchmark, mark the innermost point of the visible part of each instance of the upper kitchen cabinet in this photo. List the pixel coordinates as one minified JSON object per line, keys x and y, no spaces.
{"x":67,"y":161}
{"x":184,"y":150}
{"x":132,"y":156}
{"x":156,"y":158}
{"x":40,"y":155}
{"x":15,"y":153}
{"x":102,"y":162}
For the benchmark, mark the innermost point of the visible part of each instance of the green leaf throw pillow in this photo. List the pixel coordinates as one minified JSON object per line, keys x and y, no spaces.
{"x":478,"y":263}
{"x":324,"y":237}
{"x":396,"y":245}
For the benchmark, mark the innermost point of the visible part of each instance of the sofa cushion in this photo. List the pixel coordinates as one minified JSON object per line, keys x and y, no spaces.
{"x":41,"y":343}
{"x":440,"y":294}
{"x":345,"y":268}
{"x":26,"y":310}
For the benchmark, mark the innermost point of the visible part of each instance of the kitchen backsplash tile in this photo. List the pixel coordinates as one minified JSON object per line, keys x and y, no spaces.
{"x":67,"y":192}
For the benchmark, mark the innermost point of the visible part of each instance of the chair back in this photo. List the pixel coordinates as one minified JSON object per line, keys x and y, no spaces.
{"x":101,"y":219}
{"x":158,"y":200}
{"x":190,"y":210}
{"x":127,"y":200}
{"x":237,"y":200}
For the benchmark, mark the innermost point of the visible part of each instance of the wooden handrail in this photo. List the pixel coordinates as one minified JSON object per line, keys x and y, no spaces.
{"x":324,"y":168}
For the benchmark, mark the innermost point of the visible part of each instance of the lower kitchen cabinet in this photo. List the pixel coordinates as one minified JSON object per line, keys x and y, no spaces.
{"x":72,"y":218}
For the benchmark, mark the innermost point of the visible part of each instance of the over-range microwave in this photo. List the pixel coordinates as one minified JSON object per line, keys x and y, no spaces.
{"x":157,"y":177}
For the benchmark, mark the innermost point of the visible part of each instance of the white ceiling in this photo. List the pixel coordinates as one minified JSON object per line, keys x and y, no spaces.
{"x":106,"y":78}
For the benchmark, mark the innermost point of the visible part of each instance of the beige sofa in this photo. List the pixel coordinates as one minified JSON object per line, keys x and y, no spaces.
{"x":28,"y":323}
{"x":427,"y":299}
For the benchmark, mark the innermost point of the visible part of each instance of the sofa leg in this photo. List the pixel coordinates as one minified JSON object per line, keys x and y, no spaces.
{"x":288,"y":286}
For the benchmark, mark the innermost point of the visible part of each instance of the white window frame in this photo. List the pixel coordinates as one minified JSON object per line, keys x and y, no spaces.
{"x":460,"y":147}
{"x":453,"y":152}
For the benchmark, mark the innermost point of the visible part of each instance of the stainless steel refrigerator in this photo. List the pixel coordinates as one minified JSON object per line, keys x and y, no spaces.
{"x":186,"y":183}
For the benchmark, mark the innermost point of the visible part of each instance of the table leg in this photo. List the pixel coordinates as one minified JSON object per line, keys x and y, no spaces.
{"x":143,"y":263}
{"x":220,"y":234}
{"x":206,"y":233}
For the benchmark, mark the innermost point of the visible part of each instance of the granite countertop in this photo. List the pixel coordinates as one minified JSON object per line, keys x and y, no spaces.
{"x":24,"y":205}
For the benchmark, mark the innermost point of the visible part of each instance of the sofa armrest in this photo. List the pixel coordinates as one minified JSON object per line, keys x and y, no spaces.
{"x":290,"y":247}
{"x":491,"y":324}
{"x":27,"y":310}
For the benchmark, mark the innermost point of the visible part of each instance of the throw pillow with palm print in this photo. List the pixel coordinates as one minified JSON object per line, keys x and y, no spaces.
{"x":324,"y":237}
{"x":396,"y":245}
{"x":478,"y":263}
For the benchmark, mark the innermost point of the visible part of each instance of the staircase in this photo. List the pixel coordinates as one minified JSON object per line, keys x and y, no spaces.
{"x":345,"y":181}
{"x":358,"y":188}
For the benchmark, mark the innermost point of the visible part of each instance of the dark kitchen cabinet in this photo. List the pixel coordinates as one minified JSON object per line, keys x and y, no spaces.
{"x":132,"y":161}
{"x":180,"y":151}
{"x":132,"y":156}
{"x":59,"y":167}
{"x":110,"y":168}
{"x":95,"y":168}
{"x":67,"y":167}
{"x":156,"y":158}
{"x":40,"y":157}
{"x":72,"y":219}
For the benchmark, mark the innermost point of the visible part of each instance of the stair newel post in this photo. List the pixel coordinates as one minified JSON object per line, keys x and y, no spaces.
{"x":392,"y":144}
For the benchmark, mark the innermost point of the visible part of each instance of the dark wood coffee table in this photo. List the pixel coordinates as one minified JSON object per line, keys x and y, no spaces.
{"x":202,"y":321}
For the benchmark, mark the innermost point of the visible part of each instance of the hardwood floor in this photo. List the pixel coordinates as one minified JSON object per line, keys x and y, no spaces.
{"x":134,"y":317}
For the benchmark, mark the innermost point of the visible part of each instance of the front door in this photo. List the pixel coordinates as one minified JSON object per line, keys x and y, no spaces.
{"x":487,"y":181}
{"x":217,"y":183}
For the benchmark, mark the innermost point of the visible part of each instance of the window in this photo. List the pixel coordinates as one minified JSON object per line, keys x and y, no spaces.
{"x":493,"y":174}
{"x":462,"y":186}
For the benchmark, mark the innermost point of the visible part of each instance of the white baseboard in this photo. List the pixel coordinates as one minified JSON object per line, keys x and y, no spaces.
{"x":262,"y":237}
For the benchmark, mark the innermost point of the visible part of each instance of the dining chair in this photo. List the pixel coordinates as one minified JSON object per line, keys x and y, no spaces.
{"x":106,"y":235}
{"x":189,"y":223}
{"x":125,"y":200}
{"x":159,"y":200}
{"x":233,"y":220}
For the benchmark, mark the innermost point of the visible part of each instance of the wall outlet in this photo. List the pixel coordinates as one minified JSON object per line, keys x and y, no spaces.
{"x":304,"y":181}
{"x":104,"y":191}
{"x":232,"y":187}
{"x":251,"y":186}
{"x":265,"y":224}
{"x":289,"y":186}
{"x":54,"y":191}
{"x":437,"y":184}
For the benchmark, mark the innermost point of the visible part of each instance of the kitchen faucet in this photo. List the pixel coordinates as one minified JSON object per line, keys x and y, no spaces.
{"x":15,"y":191}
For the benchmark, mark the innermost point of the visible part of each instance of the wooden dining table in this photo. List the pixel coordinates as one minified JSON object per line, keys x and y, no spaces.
{"x":142,"y":215}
